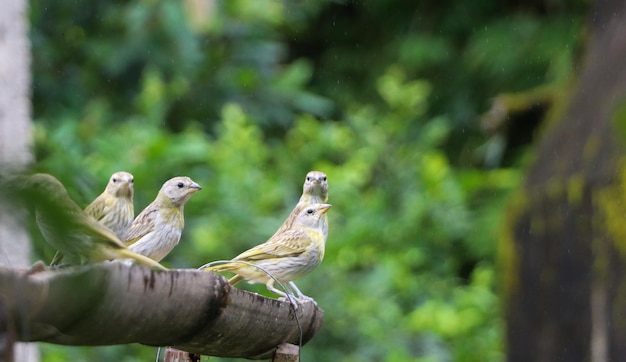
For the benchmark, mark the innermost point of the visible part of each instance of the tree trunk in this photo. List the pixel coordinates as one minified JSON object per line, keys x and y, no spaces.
{"x":15,"y":123}
{"x":15,"y":137}
{"x":565,"y":253}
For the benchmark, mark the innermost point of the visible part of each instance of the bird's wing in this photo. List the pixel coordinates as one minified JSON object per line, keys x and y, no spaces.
{"x":289,"y":243}
{"x":91,"y":227}
{"x":143,"y":260}
{"x":143,"y":224}
{"x":97,"y":209}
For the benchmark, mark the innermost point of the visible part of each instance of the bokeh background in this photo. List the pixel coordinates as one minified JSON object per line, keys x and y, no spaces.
{"x":397,"y":101}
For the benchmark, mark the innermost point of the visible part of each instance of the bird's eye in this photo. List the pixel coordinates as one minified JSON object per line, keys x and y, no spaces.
{"x":324,"y":178}
{"x":114,"y":180}
{"x":180,"y":185}
{"x":309,"y":211}
{"x":132,"y":180}
{"x":308,"y":179}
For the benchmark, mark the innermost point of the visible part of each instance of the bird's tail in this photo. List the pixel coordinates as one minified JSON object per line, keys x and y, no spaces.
{"x":57,"y":259}
{"x":226,"y":267}
{"x":143,"y":260}
{"x":220,"y":267}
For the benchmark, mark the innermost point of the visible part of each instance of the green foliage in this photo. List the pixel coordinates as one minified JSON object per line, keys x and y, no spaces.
{"x":399,"y":225}
{"x":246,"y":97}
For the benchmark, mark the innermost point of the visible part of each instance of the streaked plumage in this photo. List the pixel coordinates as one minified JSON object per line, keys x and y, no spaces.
{"x":70,"y":230}
{"x":157,"y":229}
{"x":113,"y":208}
{"x":287,"y":255}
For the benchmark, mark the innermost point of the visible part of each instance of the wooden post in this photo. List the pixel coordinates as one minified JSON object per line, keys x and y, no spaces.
{"x":287,"y":352}
{"x":7,"y":336}
{"x":176,"y":355}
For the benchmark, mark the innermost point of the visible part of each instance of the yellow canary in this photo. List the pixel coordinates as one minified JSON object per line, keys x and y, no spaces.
{"x":157,"y":229}
{"x":287,"y":256}
{"x":314,"y":191}
{"x":113,"y":208}
{"x":70,"y":230}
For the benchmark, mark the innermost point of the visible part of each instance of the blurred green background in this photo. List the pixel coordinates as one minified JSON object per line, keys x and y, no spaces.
{"x":245,"y":97}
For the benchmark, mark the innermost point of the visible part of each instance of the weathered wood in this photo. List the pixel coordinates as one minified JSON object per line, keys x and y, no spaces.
{"x":287,"y":352}
{"x":176,"y":355}
{"x":7,"y":336}
{"x":188,"y":309}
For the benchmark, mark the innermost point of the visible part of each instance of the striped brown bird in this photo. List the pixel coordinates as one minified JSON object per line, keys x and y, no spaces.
{"x":113,"y":208}
{"x":314,"y":191}
{"x":158,"y":228}
{"x":288,"y":255}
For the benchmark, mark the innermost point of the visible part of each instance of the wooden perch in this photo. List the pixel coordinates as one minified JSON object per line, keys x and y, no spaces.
{"x":112,"y":303}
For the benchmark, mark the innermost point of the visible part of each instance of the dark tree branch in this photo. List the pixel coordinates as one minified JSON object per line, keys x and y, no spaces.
{"x":111,"y":303}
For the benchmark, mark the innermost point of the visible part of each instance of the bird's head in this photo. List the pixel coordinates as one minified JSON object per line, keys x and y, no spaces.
{"x":178,"y":190}
{"x":121,"y":184}
{"x":311,"y":216}
{"x":316,"y":184}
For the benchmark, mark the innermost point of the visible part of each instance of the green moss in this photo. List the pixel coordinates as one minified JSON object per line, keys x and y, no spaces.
{"x":575,"y":189}
{"x":592,"y":146}
{"x":619,"y":121}
{"x":554,"y":188}
{"x":611,"y":204}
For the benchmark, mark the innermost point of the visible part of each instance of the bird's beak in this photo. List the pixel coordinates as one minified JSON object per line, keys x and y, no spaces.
{"x":324,"y":208}
{"x":126,"y":185}
{"x":195,"y":186}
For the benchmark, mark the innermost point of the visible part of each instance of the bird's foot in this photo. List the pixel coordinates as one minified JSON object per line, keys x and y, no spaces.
{"x":304,"y":299}
{"x":297,"y":301}
{"x":39,"y":266}
{"x":294,"y":301}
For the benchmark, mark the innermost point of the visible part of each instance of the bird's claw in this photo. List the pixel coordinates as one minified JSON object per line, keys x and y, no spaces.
{"x":39,"y":266}
{"x":303,"y":299}
{"x":292,"y":300}
{"x":297,"y":301}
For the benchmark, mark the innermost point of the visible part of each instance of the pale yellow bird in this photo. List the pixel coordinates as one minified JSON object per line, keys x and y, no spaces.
{"x":287,"y":256}
{"x":113,"y":208}
{"x":70,"y":230}
{"x":314,"y":191}
{"x":157,"y":229}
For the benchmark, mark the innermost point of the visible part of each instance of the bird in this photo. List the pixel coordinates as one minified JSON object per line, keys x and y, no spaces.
{"x":314,"y":191}
{"x":287,"y":256}
{"x":66,"y":227}
{"x":113,"y":208}
{"x":157,"y":229}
